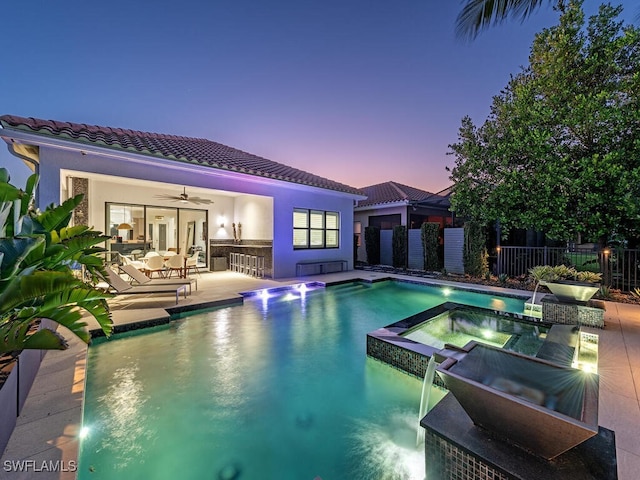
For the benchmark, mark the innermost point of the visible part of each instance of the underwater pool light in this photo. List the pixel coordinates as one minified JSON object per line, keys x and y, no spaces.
{"x":486,"y":333}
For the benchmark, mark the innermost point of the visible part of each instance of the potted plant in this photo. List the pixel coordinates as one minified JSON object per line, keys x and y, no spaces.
{"x":566,"y":283}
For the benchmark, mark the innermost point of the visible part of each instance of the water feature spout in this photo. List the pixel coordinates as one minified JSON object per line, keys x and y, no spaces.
{"x":424,"y":397}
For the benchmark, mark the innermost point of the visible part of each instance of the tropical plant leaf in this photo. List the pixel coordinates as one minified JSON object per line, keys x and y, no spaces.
{"x":9,"y":193}
{"x":45,"y":339}
{"x":54,"y":218}
{"x":32,"y":184}
{"x":29,"y":287}
{"x":15,"y":250}
{"x":17,"y":336}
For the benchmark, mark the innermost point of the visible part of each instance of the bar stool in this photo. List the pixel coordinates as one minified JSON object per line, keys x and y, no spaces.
{"x":241,"y":264}
{"x":252,"y":265}
{"x":232,"y":261}
{"x":259,"y":266}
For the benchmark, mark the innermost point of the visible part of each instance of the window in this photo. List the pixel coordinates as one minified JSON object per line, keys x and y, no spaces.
{"x":315,"y":229}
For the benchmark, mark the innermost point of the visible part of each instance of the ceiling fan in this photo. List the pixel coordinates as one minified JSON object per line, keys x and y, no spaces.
{"x":184,"y":198}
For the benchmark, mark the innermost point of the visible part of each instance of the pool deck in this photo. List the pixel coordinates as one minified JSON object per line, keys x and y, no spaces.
{"x":48,"y":426}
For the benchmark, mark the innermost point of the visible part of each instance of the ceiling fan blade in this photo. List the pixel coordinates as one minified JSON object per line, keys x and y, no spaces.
{"x":200,"y":201}
{"x":167,"y":197}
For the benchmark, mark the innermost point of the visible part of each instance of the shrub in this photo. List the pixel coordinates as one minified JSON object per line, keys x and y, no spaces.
{"x":605,"y":292}
{"x":372,"y":245}
{"x":547,"y":273}
{"x":429,"y":235}
{"x":475,"y":256}
{"x":399,"y":242}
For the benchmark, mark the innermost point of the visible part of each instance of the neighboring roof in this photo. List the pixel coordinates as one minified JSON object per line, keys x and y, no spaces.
{"x":394,"y":192}
{"x":198,"y":151}
{"x":439,"y":199}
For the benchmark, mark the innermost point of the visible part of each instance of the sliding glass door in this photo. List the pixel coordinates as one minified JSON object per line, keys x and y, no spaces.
{"x":138,"y":229}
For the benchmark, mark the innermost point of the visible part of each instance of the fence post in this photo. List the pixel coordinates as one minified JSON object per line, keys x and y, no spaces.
{"x":544,"y":256}
{"x":604,"y":266}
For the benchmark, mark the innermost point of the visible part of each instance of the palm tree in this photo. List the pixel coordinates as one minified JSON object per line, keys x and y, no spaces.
{"x":478,"y":15}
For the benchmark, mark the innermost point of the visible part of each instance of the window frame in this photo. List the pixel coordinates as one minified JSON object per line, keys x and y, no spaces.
{"x":314,"y":230}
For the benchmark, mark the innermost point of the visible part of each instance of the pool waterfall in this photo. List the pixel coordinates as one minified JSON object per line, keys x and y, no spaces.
{"x":427,"y":386}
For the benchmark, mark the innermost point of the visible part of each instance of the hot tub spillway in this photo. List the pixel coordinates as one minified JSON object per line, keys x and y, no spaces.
{"x":524,"y":409}
{"x":533,"y":403}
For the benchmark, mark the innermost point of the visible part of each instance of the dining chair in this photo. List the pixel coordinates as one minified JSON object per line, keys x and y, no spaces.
{"x":155,"y":264}
{"x":192,"y":262}
{"x":175,"y":263}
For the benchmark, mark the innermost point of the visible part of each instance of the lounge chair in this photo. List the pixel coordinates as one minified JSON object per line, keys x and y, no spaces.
{"x":121,"y":287}
{"x":141,"y":279}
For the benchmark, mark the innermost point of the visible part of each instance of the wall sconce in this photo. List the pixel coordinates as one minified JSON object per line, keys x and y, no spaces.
{"x":222,"y":225}
{"x":221,"y":220}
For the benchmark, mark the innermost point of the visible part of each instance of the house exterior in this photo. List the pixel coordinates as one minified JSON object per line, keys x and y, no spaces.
{"x":154,"y":191}
{"x":390,"y":204}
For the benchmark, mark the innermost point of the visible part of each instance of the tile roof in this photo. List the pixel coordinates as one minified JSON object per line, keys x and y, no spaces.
{"x":197,"y":151}
{"x":393,"y":192}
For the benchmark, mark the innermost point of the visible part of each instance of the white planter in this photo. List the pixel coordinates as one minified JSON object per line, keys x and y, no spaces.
{"x":571,"y":291}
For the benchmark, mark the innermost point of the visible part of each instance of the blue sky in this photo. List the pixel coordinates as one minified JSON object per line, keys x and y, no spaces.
{"x":358,"y":91}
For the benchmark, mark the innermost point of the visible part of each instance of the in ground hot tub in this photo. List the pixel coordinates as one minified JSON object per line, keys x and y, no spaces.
{"x":537,"y":405}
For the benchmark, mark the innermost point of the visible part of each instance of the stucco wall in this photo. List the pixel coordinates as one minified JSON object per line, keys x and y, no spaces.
{"x":284,"y":256}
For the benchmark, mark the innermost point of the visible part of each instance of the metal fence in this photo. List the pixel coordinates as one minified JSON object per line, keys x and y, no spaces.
{"x":620,"y":268}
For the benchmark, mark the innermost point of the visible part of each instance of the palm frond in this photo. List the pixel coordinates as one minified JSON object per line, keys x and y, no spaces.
{"x":478,"y":15}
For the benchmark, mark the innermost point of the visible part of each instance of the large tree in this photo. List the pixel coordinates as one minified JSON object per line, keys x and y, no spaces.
{"x":560,"y":150}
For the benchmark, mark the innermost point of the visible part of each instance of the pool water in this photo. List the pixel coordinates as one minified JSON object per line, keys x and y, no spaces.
{"x":461,"y":325}
{"x":279,"y":387}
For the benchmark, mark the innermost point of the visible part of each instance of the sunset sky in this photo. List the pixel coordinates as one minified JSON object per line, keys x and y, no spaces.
{"x":358,"y":91}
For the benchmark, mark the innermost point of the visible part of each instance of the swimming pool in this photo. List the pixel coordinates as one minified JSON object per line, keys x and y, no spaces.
{"x":279,"y":387}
